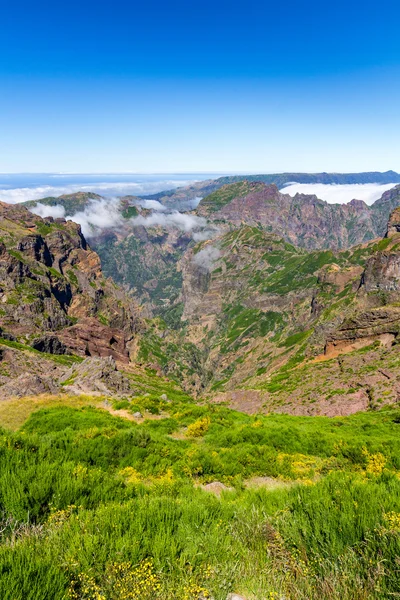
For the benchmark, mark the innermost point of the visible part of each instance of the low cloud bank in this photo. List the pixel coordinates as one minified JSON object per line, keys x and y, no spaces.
{"x":105,"y":214}
{"x":174,"y":219}
{"x":98,"y":215}
{"x":340,"y":194}
{"x":152,"y":205}
{"x":22,"y":194}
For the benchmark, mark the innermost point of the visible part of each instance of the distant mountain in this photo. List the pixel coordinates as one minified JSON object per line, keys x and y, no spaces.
{"x":252,"y":320}
{"x":185,"y":195}
{"x":147,"y":259}
{"x":282,"y":179}
{"x":303,"y":219}
{"x":284,"y":329}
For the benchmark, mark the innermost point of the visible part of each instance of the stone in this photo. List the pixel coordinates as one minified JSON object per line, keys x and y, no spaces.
{"x":50,"y":344}
{"x":28,"y":384}
{"x":96,"y":375}
{"x":216,"y":487}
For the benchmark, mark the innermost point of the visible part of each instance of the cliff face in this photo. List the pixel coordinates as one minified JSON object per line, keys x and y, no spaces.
{"x":146,"y":259}
{"x":269,"y":317}
{"x":266,"y":325}
{"x":303,"y":220}
{"x":51,"y":286}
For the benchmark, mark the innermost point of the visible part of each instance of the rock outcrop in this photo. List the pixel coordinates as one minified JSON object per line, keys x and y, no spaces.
{"x":97,"y":375}
{"x":51,"y":281}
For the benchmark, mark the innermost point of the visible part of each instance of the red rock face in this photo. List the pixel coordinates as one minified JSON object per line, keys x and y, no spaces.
{"x":50,"y":279}
{"x":306,"y":221}
{"x":91,"y":338}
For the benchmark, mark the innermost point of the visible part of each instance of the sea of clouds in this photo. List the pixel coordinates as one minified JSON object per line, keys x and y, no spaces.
{"x":340,"y":194}
{"x":22,"y":194}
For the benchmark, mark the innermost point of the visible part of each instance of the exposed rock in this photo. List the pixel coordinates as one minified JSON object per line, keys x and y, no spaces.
{"x":216,"y":487}
{"x":382,"y":273}
{"x":302,"y":220}
{"x":91,"y":338}
{"x":50,"y":279}
{"x":394,"y":223}
{"x":97,"y":375}
{"x":28,"y":384}
{"x":50,"y":344}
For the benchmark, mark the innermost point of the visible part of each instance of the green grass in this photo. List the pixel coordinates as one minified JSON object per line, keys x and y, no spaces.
{"x":225,"y":194}
{"x":86,"y":497}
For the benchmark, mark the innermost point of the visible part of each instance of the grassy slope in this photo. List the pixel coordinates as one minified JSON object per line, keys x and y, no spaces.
{"x":87,"y":498}
{"x":213,"y":202}
{"x":255,"y":267}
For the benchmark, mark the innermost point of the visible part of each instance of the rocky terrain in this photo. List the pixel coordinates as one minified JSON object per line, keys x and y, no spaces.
{"x":56,"y":307}
{"x":274,"y":319}
{"x":145,"y":258}
{"x":253,"y":316}
{"x":303,"y":220}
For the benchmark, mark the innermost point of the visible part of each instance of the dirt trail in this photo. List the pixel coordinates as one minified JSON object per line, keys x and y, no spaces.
{"x":125,"y":414}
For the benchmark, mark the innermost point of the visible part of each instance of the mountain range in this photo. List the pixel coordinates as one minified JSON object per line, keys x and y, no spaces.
{"x":263,"y":296}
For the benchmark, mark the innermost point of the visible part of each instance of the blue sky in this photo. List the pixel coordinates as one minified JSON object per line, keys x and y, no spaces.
{"x":199,"y":86}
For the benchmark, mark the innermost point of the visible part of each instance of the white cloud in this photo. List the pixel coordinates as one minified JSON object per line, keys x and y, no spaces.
{"x":22,"y":194}
{"x":105,"y":214}
{"x":206,"y":258}
{"x":98,"y":215}
{"x":205,"y":234}
{"x":340,"y":194}
{"x":43,"y":210}
{"x":174,"y":219}
{"x":152,"y":205}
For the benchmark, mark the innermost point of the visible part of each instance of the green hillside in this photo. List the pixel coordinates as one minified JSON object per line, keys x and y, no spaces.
{"x":96,"y":506}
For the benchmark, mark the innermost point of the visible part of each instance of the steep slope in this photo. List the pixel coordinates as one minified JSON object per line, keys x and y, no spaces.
{"x":267,"y":317}
{"x":303,"y":220}
{"x":145,"y":257}
{"x":52,"y":284}
{"x":72,"y":203}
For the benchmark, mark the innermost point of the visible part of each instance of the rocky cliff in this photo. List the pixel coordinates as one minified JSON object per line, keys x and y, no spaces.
{"x":270,"y":317}
{"x":146,"y":258}
{"x":303,"y":220}
{"x":52,"y":291}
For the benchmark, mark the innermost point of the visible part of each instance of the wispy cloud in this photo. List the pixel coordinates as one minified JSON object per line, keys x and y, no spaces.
{"x":176,"y":219}
{"x":340,"y":194}
{"x":152,"y":205}
{"x":206,"y":258}
{"x":98,"y":215}
{"x":105,"y":214}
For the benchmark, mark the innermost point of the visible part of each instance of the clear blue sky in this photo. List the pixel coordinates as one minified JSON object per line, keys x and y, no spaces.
{"x":199,"y":86}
